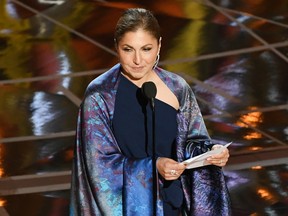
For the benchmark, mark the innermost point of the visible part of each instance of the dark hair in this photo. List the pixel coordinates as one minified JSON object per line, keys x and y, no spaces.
{"x":134,"y":19}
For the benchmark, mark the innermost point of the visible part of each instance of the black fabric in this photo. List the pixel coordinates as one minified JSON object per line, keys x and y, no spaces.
{"x":135,"y":140}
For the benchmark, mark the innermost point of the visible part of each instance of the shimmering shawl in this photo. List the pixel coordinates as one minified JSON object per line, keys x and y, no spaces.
{"x":105,"y":182}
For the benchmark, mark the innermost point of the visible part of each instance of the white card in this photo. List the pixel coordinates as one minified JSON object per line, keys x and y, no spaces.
{"x":200,"y":160}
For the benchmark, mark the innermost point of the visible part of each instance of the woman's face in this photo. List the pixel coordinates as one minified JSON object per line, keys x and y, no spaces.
{"x":137,"y":54}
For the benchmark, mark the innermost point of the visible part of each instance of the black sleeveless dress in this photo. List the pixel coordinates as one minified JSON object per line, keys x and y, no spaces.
{"x":132,"y":126}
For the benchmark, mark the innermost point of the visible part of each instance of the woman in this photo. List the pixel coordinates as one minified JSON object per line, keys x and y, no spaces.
{"x":113,"y":164}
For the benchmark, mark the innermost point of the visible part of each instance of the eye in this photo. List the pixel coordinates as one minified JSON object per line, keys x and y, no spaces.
{"x":127,"y":49}
{"x":146,"y":49}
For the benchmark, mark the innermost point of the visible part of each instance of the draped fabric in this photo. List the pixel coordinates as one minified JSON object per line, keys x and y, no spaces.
{"x":105,"y":182}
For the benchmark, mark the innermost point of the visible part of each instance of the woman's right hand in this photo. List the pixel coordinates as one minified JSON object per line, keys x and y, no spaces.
{"x":169,"y":169}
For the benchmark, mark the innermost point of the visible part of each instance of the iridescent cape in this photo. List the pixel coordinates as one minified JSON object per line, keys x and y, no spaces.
{"x":105,"y":182}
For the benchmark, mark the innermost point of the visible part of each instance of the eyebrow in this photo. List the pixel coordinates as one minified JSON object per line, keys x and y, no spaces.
{"x":141,"y":47}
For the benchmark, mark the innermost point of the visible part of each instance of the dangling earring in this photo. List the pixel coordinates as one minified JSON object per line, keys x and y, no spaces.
{"x":157,"y":61}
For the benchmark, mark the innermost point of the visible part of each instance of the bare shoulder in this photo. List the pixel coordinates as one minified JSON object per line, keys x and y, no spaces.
{"x":165,"y":94}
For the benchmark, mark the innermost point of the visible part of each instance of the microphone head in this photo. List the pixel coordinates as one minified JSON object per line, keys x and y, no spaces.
{"x":149,"y":90}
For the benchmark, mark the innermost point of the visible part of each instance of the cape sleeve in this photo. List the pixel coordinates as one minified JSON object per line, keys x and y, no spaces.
{"x":205,"y":189}
{"x":104,"y":182}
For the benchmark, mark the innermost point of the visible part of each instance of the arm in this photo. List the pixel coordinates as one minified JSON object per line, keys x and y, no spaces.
{"x":205,"y":189}
{"x":104,"y":181}
{"x":198,"y":139}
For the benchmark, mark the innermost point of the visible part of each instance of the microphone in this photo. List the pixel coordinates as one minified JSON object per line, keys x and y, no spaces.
{"x":149,"y":90}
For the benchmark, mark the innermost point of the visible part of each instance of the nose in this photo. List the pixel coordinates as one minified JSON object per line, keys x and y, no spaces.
{"x":137,"y":58}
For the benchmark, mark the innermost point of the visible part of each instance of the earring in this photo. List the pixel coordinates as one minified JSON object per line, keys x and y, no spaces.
{"x":157,"y":61}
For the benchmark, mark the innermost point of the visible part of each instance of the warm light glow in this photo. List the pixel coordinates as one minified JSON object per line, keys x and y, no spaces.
{"x":1,"y":171}
{"x":258,"y":24}
{"x":2,"y":202}
{"x":241,"y":124}
{"x":255,"y":148}
{"x":256,"y":167}
{"x":252,"y":119}
{"x":252,"y":135}
{"x":1,"y":159}
{"x":264,"y":194}
{"x":69,"y":155}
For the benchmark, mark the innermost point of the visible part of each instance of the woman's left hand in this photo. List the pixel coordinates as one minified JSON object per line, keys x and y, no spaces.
{"x":219,"y":159}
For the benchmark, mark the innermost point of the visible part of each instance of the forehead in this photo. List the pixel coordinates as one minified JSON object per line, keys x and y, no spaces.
{"x":139,"y":36}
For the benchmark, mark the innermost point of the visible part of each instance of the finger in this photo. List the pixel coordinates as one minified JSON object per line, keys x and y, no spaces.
{"x":217,"y":161}
{"x":174,"y":174}
{"x":222,"y":155}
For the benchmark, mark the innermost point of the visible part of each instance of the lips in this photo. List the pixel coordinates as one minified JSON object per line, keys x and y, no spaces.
{"x":137,"y":68}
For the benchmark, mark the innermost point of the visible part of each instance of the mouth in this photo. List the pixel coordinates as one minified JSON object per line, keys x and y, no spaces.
{"x":137,"y":68}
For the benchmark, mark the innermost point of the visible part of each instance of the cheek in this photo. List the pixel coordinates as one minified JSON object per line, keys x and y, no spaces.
{"x":124,"y":58}
{"x":151,"y":58}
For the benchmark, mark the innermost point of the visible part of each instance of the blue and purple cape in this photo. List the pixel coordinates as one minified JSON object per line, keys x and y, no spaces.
{"x":105,"y":182}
